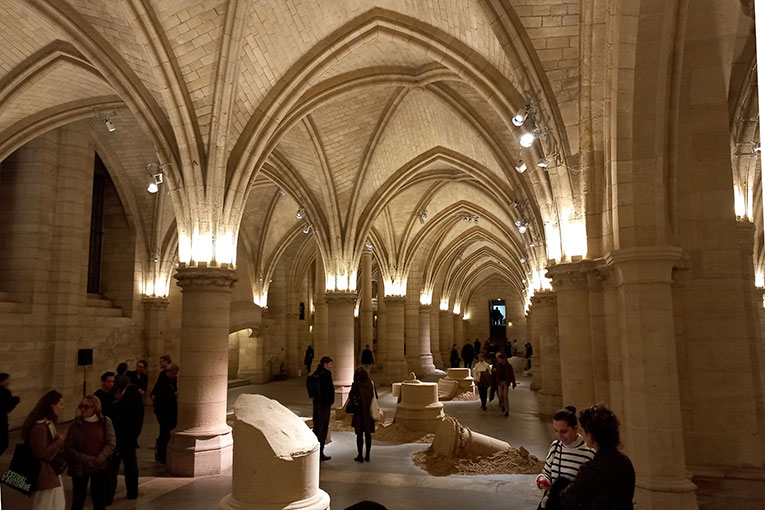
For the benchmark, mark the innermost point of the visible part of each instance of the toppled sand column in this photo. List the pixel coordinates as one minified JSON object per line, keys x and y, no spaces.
{"x":419,"y":408}
{"x":276,"y":459}
{"x":456,"y":382}
{"x":455,"y":440}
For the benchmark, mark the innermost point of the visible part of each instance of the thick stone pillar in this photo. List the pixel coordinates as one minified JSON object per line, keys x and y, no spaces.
{"x":340,"y":307}
{"x":252,"y":357}
{"x":395,"y":363}
{"x":154,"y":311}
{"x":435,"y":337}
{"x":652,"y":422}
{"x":446,"y":332}
{"x":291,"y":351}
{"x":426,"y":365}
{"x":365,"y":305}
{"x":412,"y":335}
{"x":321,"y":320}
{"x":577,"y":373}
{"x":546,"y":325}
{"x":202,"y":442}
{"x":459,"y":333}
{"x":595,"y":279}
{"x":382,"y":332}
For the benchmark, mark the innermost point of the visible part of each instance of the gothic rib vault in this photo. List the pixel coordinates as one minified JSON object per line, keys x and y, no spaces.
{"x":293,"y":137}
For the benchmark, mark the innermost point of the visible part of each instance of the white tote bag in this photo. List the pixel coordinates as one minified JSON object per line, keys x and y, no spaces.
{"x":374,"y":407}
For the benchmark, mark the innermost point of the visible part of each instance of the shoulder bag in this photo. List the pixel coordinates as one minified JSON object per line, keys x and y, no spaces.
{"x":374,"y":407}
{"x":24,"y":470}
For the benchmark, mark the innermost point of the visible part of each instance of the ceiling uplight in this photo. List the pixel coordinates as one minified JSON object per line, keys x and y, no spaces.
{"x":527,"y":140}
{"x":110,"y":125}
{"x":542,"y":164}
{"x":522,"y":226}
{"x":521,"y":167}
{"x":152,"y":187}
{"x":307,"y":229}
{"x":368,"y":245}
{"x":156,"y":178}
{"x":519,"y":119}
{"x":523,"y":260}
{"x":422,"y":216}
{"x":300,"y":213}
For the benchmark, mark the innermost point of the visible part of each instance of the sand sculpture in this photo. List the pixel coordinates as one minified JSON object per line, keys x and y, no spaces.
{"x":455,"y":440}
{"x":457,"y":381}
{"x":418,"y":407}
{"x":276,"y":459}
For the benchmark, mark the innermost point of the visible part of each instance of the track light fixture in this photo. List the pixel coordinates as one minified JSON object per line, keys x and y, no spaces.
{"x":522,"y":225}
{"x":522,"y":260}
{"x":527,"y":140}
{"x":528,"y":111}
{"x":300,"y":213}
{"x":110,"y":125}
{"x":157,"y":176}
{"x":422,"y":216}
{"x":307,"y":229}
{"x":368,"y":245}
{"x":521,"y":166}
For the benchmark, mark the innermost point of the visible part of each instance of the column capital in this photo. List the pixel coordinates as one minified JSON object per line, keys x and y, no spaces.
{"x":155,"y":302}
{"x":205,"y":278}
{"x":544,"y":297}
{"x":644,"y":264}
{"x":340,"y":297}
{"x":395,"y":299}
{"x":571,"y":275}
{"x":425,"y":308}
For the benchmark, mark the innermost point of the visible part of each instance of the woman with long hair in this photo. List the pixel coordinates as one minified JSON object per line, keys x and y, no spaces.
{"x":39,"y":431}
{"x":566,"y":455}
{"x":608,"y":480}
{"x":363,"y":390}
{"x":89,"y":443}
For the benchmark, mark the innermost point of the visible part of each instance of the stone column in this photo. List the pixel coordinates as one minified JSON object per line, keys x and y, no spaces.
{"x":321,"y":320}
{"x":395,"y":363}
{"x":546,"y":325}
{"x":202,"y":443}
{"x":412,"y":335}
{"x":446,"y":332}
{"x":435,"y":338}
{"x":595,"y":279}
{"x":653,"y":428}
{"x":382,"y":332}
{"x":154,"y":311}
{"x":291,"y":351}
{"x":340,"y":307}
{"x":577,"y":374}
{"x":365,"y":306}
{"x":459,"y":333}
{"x":426,"y":365}
{"x":252,"y":357}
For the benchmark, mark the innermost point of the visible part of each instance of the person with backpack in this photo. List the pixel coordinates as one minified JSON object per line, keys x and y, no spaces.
{"x":322,"y":391}
{"x":482,"y":375}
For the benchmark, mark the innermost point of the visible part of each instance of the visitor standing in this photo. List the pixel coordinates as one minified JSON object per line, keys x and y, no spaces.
{"x":165,"y":395}
{"x":528,"y":354}
{"x":140,"y":379}
{"x":454,"y":357}
{"x":367,"y":358}
{"x":477,"y":347}
{"x":126,"y":415}
{"x":323,"y":404}
{"x":39,"y":430}
{"x":104,"y":393}
{"x":308,"y":360}
{"x":482,"y":376}
{"x":362,"y":391}
{"x":504,"y":377}
{"x":164,"y":362}
{"x":8,"y":403}
{"x":89,"y":443}
{"x":121,"y":380}
{"x":468,"y":354}
{"x":608,"y":480}
{"x":566,"y":455}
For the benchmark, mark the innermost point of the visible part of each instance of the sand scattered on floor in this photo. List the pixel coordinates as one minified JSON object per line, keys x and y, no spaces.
{"x":466,"y":396}
{"x":507,"y":461}
{"x":396,"y":433}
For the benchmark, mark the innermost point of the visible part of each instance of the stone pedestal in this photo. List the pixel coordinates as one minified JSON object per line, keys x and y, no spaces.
{"x":463,"y":378}
{"x":395,"y":363}
{"x":340,"y":307}
{"x":154,"y":311}
{"x":577,"y":372}
{"x":544,"y":304}
{"x":276,"y":459}
{"x":653,"y":433}
{"x":201,"y":443}
{"x":454,"y":440}
{"x":446,"y":332}
{"x":419,"y":408}
{"x":425,"y":365}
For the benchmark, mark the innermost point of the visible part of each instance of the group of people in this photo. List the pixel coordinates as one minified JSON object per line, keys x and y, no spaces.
{"x":470,"y":352}
{"x":497,"y":379}
{"x":102,"y":437}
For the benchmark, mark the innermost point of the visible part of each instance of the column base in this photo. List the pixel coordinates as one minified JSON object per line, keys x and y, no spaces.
{"x":192,"y":454}
{"x":674,"y":494}
{"x":426,"y":365}
{"x":319,"y":501}
{"x":396,"y":370}
{"x":341,"y":395}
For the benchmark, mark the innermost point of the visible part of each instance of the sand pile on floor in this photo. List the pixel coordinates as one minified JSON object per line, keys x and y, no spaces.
{"x":335,"y":426}
{"x":466,"y":396}
{"x":396,"y":433}
{"x":505,"y":462}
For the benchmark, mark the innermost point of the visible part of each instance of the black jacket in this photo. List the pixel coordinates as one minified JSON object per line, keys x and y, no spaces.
{"x":126,"y":419}
{"x":7,"y":403}
{"x":367,"y":358}
{"x":607,"y":482}
{"x":308,"y":356}
{"x":327,"y":387}
{"x":166,"y":401}
{"x":468,"y":352}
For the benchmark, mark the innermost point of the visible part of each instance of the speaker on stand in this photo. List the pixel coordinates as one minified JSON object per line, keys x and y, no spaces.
{"x":84,"y":360}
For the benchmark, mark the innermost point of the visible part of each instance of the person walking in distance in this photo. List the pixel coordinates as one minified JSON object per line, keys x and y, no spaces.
{"x":367,"y":358}
{"x":166,"y":409}
{"x":454,"y":357}
{"x":504,"y":377}
{"x":39,"y":430}
{"x":468,"y":353}
{"x":308,"y":360}
{"x":482,"y":376}
{"x":7,"y":404}
{"x":322,"y":403}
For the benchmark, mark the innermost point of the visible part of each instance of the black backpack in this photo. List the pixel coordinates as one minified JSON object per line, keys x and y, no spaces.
{"x":313,"y":384}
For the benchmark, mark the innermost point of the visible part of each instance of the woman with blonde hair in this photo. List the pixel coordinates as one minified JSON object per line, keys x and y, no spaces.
{"x":89,"y":443}
{"x":39,"y":430}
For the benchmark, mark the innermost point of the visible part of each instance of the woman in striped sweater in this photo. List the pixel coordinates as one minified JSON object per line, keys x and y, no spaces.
{"x":566,"y":456}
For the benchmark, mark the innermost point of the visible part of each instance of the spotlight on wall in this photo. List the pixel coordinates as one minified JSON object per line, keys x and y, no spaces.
{"x":528,"y":111}
{"x":422,"y":216}
{"x":522,"y":260}
{"x":522,"y":226}
{"x":307,"y":229}
{"x":527,"y":140}
{"x":300,"y":213}
{"x":110,"y":125}
{"x":542,"y":164}
{"x":520,"y":167}
{"x":519,"y":119}
{"x":368,"y":245}
{"x":156,"y":177}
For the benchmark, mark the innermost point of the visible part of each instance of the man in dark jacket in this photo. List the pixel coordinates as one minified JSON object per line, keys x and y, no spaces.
{"x":323,"y":405}
{"x":476,"y":347}
{"x":454,"y":357}
{"x":104,"y":393}
{"x":7,"y":403}
{"x":367,"y":358}
{"x":166,"y":408}
{"x":467,"y":354}
{"x":308,"y":360}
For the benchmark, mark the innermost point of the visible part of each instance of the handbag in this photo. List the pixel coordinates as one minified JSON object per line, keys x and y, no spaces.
{"x":58,"y":462}
{"x":374,"y":407}
{"x":24,"y":470}
{"x":353,"y":406}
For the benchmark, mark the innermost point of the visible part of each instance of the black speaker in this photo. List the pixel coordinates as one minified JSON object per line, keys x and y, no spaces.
{"x":84,"y":357}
